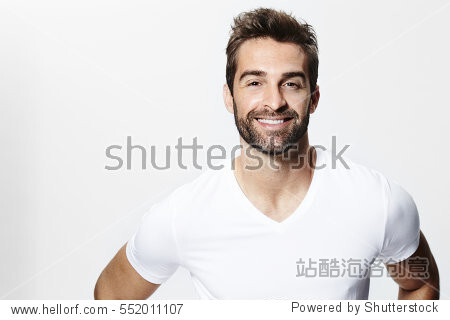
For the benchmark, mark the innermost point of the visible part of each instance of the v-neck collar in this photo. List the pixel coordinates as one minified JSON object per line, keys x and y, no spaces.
{"x":301,"y":209}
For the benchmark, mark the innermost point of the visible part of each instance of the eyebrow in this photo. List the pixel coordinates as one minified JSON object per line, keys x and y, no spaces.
{"x":261,"y":73}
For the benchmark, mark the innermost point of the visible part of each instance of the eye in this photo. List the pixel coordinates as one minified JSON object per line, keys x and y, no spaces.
{"x":292,"y":84}
{"x":253,"y":83}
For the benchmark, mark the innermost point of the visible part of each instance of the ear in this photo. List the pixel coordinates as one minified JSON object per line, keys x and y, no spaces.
{"x":228,"y":98}
{"x":315,"y":96}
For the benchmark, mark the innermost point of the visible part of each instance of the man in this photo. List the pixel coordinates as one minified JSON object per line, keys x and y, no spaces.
{"x":261,"y":231}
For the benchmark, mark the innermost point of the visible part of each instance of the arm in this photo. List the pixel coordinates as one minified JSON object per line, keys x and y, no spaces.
{"x":120,"y":281}
{"x":414,"y":285}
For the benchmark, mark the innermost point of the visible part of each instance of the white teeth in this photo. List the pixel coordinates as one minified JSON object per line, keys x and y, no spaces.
{"x":271,"y":121}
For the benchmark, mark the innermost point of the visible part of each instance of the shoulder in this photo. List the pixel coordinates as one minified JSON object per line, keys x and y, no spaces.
{"x":347,"y":172}
{"x":199,"y":190}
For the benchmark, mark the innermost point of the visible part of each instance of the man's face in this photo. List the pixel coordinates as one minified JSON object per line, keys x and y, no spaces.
{"x":271,"y":102}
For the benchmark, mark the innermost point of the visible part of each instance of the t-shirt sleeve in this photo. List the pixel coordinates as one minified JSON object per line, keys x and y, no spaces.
{"x":152,"y":250}
{"x":402,"y":226}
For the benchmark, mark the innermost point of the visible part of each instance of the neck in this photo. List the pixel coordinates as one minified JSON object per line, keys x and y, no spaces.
{"x":271,"y":176}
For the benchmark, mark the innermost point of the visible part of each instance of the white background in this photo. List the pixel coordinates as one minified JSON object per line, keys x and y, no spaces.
{"x":78,"y":76}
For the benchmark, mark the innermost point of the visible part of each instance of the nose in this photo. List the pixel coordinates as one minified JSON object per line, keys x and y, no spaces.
{"x":273,"y":97}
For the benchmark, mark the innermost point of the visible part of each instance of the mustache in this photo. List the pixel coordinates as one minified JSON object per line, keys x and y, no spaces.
{"x":263,"y":114}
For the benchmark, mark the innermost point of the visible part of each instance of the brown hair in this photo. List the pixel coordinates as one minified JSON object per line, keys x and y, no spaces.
{"x":278,"y":25}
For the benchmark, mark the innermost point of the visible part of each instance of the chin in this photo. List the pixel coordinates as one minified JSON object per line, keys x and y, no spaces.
{"x":274,"y":151}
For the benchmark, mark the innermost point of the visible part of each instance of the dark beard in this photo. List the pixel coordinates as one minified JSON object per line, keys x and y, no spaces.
{"x":279,"y":142}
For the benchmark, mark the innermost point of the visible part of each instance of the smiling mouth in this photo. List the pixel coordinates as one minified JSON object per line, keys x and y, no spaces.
{"x":273,"y":121}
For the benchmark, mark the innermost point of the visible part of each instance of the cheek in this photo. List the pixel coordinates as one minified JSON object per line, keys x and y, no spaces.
{"x":295,"y":99}
{"x":298,"y":102}
{"x":248,"y":103}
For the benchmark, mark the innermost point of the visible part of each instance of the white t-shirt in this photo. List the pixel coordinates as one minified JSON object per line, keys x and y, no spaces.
{"x":323,"y":250}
